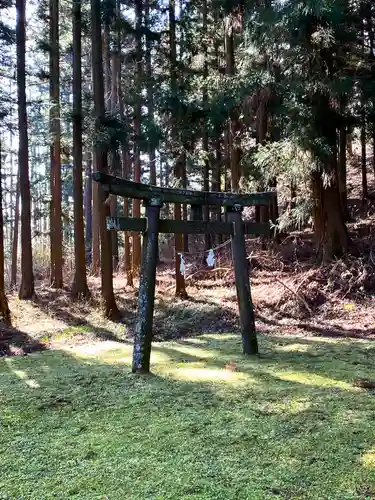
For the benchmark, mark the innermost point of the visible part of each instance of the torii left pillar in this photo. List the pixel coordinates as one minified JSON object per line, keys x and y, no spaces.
{"x":146,"y":295}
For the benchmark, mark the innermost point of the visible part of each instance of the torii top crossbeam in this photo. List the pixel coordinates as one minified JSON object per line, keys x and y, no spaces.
{"x":129,"y":189}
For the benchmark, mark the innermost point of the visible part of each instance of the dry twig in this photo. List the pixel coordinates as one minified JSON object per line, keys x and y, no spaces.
{"x":301,"y":299}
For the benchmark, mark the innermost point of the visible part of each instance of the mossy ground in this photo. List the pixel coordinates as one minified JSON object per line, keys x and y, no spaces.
{"x":208,"y":424}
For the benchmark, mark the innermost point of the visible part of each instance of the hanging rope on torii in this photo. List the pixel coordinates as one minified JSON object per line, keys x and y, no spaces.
{"x":151,"y":225}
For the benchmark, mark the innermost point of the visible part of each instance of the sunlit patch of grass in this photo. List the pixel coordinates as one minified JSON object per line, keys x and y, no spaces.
{"x":368,"y":459}
{"x":204,"y":374}
{"x":209,"y":424}
{"x":68,"y":333}
{"x":314,"y":379}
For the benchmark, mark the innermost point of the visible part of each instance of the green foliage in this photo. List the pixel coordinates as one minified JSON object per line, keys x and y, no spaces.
{"x":297,"y":216}
{"x":111,"y":133}
{"x":284,"y":160}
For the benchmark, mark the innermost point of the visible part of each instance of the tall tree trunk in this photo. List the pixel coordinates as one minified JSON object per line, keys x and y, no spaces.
{"x":293,"y":195}
{"x":55,"y":131}
{"x":363,"y":113}
{"x":185,"y":143}
{"x":185,"y":236}
{"x":216,"y":182}
{"x":13,"y":272}
{"x":107,"y":67}
{"x":101,"y":156}
{"x":27,"y":290}
{"x":218,"y":165}
{"x":262,"y":213}
{"x":4,"y":307}
{"x":178,"y":168}
{"x":331,"y":235}
{"x":232,"y":124}
{"x":127,"y":249}
{"x":88,"y":209}
{"x":226,"y":164}
{"x":137,"y":129}
{"x":349,"y":144}
{"x":150,"y":94}
{"x":206,"y":164}
{"x":95,"y":269}
{"x":126,"y":169}
{"x":79,"y":287}
{"x":342,"y":163}
{"x":332,"y":239}
{"x":115,"y":160}
{"x":364,"y":160}
{"x":371,"y":37}
{"x":110,"y":101}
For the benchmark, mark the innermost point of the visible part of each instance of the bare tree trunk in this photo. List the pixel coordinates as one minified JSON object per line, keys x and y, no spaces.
{"x":88,"y":209}
{"x":115,"y":160}
{"x":150,"y":95}
{"x":180,"y":280}
{"x":185,"y":236}
{"x":106,"y":67}
{"x":261,"y":212}
{"x":185,"y":144}
{"x":55,"y":131}
{"x":13,"y":273}
{"x":110,"y":99}
{"x":109,"y":302}
{"x":349,"y":145}
{"x":364,"y":161}
{"x":79,"y":287}
{"x":232,"y":124}
{"x":331,"y":236}
{"x":216,"y":182}
{"x":371,"y":35}
{"x":206,"y":167}
{"x":363,"y":117}
{"x":127,"y":249}
{"x":137,"y":129}
{"x":293,"y":195}
{"x":4,"y":307}
{"x":217,"y":170}
{"x":95,"y":224}
{"x":226,"y":164}
{"x":126,"y":169}
{"x":342,"y":167}
{"x":27,"y":290}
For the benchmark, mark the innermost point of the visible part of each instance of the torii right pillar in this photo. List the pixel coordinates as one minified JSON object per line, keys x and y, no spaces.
{"x":245,"y":304}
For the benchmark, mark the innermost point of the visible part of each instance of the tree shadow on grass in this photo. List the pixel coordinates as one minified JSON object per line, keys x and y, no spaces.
{"x":78,"y":323}
{"x":178,"y":319}
{"x":335,"y":331}
{"x":201,"y":436}
{"x":173,"y":318}
{"x":14,"y":342}
{"x":349,"y":358}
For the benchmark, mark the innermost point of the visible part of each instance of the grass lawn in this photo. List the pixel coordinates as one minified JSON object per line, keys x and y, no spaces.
{"x":209,"y":424}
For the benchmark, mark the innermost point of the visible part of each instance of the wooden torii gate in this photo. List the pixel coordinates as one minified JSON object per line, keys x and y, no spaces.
{"x":151,"y":225}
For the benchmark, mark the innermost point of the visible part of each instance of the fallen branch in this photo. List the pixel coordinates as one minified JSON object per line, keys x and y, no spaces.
{"x":201,"y":271}
{"x":304,"y":280}
{"x":302,"y":300}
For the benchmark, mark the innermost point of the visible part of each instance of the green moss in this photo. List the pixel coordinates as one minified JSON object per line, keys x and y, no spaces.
{"x":77,"y":424}
{"x":68,"y":333}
